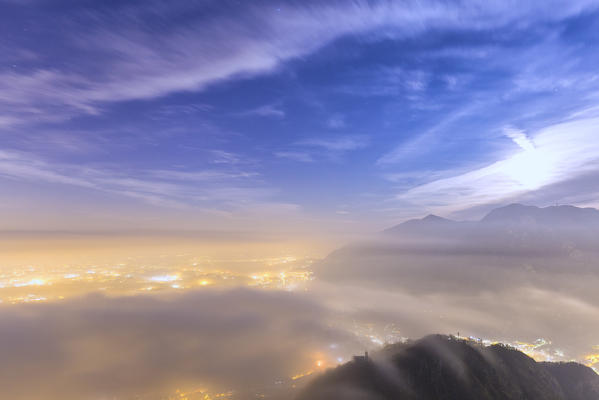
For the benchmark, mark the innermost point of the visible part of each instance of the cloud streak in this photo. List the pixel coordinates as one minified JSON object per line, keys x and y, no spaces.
{"x":136,"y":64}
{"x":560,"y":152}
{"x":170,"y":188}
{"x":337,"y":144}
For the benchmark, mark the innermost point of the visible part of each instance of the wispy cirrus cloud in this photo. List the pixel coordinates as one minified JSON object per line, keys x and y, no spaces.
{"x":330,"y":148}
{"x":561,"y":152}
{"x":337,"y":121}
{"x":339,"y":144}
{"x":206,"y":175}
{"x":131,"y":62}
{"x":16,"y":165}
{"x":225,"y":157}
{"x":169,"y":188}
{"x":268,"y":110}
{"x":422,"y":143}
{"x":300,"y":156}
{"x":519,"y":137}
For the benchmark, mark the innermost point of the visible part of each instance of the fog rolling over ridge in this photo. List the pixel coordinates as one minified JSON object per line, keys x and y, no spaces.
{"x":446,"y":368}
{"x":519,"y":273}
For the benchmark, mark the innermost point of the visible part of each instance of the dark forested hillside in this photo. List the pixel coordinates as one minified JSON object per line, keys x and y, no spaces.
{"x":441,"y":367}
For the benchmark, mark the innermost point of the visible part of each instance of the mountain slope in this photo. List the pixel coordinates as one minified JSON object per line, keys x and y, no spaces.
{"x":577,"y":381}
{"x":445,"y":368}
{"x":511,"y":244}
{"x":554,"y":216}
{"x":424,"y":225}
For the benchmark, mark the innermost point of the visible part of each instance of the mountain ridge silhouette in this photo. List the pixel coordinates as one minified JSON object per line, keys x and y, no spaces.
{"x":515,"y":215}
{"x":443,"y":367}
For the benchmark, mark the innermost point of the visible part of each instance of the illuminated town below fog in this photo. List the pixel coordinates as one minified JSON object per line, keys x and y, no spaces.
{"x":539,"y":350}
{"x":34,"y":284}
{"x":31,"y":284}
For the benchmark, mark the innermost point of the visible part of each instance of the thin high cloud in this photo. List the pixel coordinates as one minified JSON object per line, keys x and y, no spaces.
{"x":424,"y":143}
{"x":519,"y":137}
{"x":170,"y":188}
{"x":554,"y":154}
{"x":337,"y":144}
{"x":133,"y":63}
{"x":268,"y":110}
{"x":300,"y":156}
{"x":530,"y":86}
{"x":329,"y":148}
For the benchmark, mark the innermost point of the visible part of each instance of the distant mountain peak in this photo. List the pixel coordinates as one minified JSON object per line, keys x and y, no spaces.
{"x":515,"y":214}
{"x":433,"y":217}
{"x":431,"y":221}
{"x":555,"y":216}
{"x":510,"y":212}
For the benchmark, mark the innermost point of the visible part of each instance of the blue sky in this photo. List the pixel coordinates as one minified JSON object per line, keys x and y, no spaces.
{"x":293,"y":115}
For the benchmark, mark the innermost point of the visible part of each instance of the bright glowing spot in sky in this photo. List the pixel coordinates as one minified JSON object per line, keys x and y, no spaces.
{"x":530,"y":168}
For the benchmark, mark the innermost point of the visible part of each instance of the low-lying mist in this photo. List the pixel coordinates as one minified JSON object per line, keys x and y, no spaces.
{"x":516,"y":278}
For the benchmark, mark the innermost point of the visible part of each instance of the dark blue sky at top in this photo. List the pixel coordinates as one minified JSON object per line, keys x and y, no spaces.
{"x":341,"y":112}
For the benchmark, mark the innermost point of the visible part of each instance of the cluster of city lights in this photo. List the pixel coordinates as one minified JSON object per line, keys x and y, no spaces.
{"x":200,"y":394}
{"x":47,"y":283}
{"x":592,"y":360}
{"x":541,"y":350}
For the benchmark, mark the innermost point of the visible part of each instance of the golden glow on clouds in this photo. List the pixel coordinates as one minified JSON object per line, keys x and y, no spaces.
{"x":19,"y":285}
{"x":53,"y":268}
{"x":592,"y":360}
{"x":200,"y":394}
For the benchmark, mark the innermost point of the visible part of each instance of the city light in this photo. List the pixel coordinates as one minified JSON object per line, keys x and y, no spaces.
{"x":23,"y":285}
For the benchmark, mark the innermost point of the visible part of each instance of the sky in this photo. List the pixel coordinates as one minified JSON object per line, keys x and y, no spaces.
{"x":294,"y":116}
